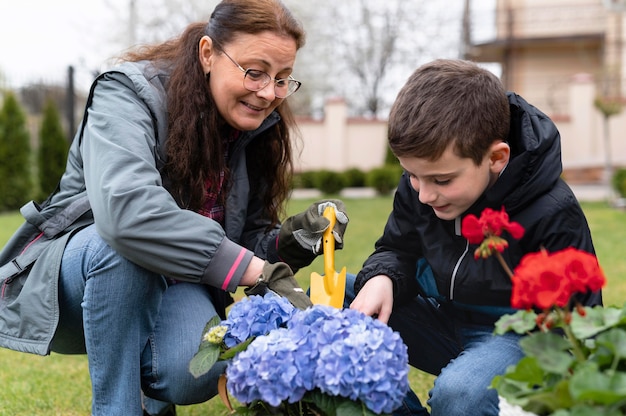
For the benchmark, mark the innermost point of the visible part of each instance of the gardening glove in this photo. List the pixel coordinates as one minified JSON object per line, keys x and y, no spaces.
{"x":278,"y":278}
{"x":300,"y":238}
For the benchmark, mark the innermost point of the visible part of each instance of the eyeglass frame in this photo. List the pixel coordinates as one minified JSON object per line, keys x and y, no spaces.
{"x":268,"y":77}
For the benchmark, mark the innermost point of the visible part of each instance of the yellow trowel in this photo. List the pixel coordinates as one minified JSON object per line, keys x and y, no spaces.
{"x":330,"y":288}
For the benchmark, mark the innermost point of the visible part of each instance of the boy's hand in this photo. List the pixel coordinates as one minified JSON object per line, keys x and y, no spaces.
{"x":375,"y":298}
{"x":300,"y":238}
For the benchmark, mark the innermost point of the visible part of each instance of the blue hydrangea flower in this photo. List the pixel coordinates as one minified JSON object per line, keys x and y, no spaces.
{"x":274,"y":368}
{"x":256,"y":315}
{"x":366,"y":360}
{"x":341,"y":352}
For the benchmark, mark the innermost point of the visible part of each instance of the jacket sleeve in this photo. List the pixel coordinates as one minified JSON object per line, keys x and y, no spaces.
{"x":398,"y":249}
{"x":132,"y":209}
{"x":560,"y":225}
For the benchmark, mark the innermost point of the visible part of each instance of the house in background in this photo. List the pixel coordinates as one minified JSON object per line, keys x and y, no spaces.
{"x":561,"y":55}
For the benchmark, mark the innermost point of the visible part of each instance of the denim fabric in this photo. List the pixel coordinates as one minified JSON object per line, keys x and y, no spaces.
{"x":138,"y":332}
{"x":456,"y":345}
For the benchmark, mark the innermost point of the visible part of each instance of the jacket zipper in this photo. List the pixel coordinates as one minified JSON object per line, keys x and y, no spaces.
{"x":457,"y":230}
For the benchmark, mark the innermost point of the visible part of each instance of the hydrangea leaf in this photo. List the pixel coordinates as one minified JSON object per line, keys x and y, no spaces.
{"x":204,"y":359}
{"x":231,"y":352}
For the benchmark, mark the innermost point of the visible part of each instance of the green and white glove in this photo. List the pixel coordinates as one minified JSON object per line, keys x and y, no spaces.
{"x":300,"y":238}
{"x":278,"y":278}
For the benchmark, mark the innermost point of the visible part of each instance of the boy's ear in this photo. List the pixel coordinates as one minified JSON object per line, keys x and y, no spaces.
{"x":499,"y":155}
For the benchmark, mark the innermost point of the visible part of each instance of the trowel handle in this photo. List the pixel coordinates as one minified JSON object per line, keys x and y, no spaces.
{"x":329,"y":242}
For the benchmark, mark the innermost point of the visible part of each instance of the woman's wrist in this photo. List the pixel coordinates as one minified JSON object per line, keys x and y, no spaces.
{"x":253,"y":272}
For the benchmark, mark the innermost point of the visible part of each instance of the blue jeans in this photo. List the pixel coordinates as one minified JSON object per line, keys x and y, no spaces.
{"x":139,"y":333}
{"x":459,"y":347}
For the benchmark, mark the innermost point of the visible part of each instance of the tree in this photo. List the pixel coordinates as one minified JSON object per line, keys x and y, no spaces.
{"x":16,"y":182}
{"x":361,"y":50}
{"x":609,"y":104}
{"x":53,"y":148}
{"x":364,"y":50}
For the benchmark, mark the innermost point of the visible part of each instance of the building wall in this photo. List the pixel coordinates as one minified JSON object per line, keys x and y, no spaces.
{"x":338,"y":143}
{"x":542,"y":74}
{"x":584,"y":147}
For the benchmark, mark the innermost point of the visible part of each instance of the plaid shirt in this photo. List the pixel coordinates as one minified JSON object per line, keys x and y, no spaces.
{"x":212,"y":208}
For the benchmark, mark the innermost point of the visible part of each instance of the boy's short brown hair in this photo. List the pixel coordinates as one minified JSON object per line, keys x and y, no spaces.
{"x":449,"y":101}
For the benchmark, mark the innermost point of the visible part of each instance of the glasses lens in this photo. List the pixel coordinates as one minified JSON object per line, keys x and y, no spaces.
{"x":285,"y":87}
{"x":281,"y":88}
{"x":255,"y":80}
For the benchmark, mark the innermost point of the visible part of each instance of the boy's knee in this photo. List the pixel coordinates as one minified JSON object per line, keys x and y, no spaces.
{"x":453,"y":396}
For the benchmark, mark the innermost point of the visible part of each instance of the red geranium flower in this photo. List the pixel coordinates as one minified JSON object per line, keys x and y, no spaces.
{"x":487,"y":230}
{"x":547,"y":279}
{"x":541,"y":279}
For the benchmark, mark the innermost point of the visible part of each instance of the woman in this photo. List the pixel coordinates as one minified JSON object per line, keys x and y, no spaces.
{"x":184,"y":156}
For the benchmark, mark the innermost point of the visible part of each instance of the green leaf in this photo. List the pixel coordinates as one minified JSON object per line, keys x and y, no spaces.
{"x":349,"y":408}
{"x":327,"y":404}
{"x":208,"y":352}
{"x":615,"y":341}
{"x":596,"y":320}
{"x":335,"y":405}
{"x":520,"y":322}
{"x":515,"y":392}
{"x":550,"y":350}
{"x":586,"y":410}
{"x":204,"y":359}
{"x":546,"y":401}
{"x":526,"y":385}
{"x":231,"y":352}
{"x":589,"y":384}
{"x":526,"y":370}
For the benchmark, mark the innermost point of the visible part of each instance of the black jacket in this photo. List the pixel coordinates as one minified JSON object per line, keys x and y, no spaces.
{"x":532,"y":193}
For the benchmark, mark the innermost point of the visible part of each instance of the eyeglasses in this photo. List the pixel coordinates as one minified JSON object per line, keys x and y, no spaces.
{"x":255,"y":80}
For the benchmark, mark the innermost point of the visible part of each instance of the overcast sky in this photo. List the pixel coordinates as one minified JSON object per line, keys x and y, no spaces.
{"x":39,"y":39}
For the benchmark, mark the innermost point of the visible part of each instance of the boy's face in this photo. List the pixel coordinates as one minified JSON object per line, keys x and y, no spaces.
{"x":451,"y":184}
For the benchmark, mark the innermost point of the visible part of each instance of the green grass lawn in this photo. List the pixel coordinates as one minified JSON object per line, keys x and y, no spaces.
{"x":59,"y":384}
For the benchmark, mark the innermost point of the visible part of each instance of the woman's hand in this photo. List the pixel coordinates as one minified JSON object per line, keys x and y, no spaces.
{"x":278,"y":278}
{"x":300,"y":238}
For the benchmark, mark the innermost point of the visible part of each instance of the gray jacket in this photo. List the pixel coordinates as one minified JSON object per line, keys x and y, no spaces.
{"x":113,"y":178}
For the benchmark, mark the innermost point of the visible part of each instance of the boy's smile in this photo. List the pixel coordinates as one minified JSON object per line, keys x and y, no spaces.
{"x":451,"y":184}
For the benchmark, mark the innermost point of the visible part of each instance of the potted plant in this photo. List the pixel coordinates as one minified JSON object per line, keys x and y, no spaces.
{"x":575,"y":356}
{"x":318,"y":361}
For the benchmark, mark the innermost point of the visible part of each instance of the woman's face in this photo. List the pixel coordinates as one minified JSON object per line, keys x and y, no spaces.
{"x":267,"y":52}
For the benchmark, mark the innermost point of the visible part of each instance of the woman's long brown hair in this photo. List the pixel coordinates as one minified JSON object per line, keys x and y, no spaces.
{"x":197,"y":132}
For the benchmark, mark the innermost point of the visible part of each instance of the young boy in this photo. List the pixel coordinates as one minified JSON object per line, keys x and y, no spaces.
{"x":465,"y":144}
